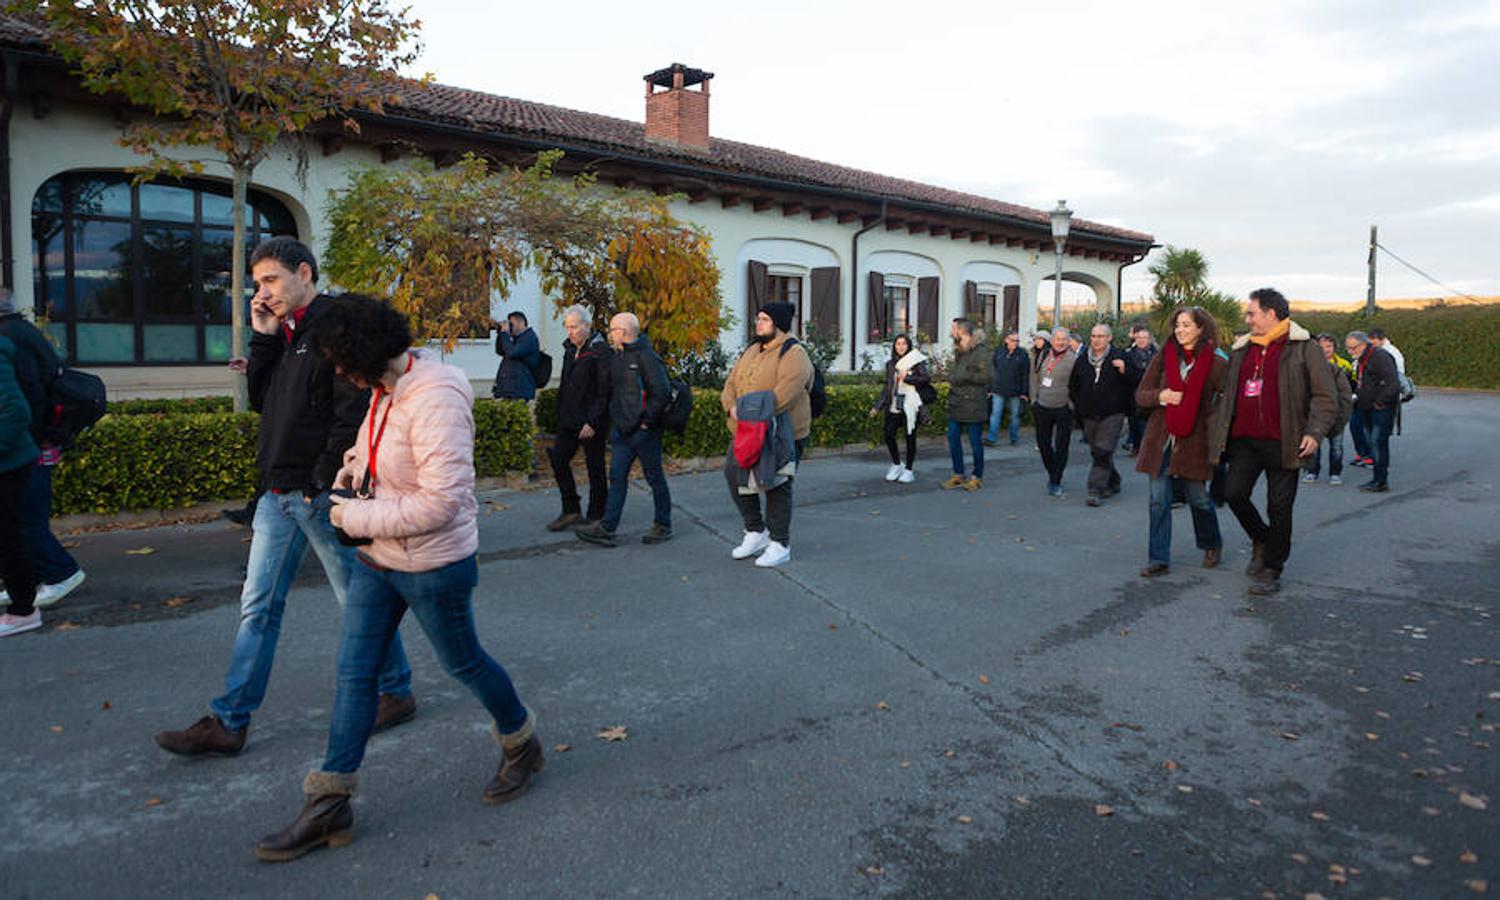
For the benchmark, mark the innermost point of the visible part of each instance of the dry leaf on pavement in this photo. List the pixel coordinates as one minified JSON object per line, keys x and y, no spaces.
{"x":984,"y":679}
{"x":562,"y":748}
{"x":1471,"y":801}
{"x":1102,"y":810}
{"x":882,"y":706}
{"x":140,"y":551}
{"x":1467,"y":857}
{"x":1169,"y":764}
{"x":153,"y":801}
{"x":613,"y":734}
{"x":1421,"y":860}
{"x":68,"y":626}
{"x":176,"y":601}
{"x":964,"y":820}
{"x":55,"y":729}
{"x":1320,"y":816}
{"x":1477,"y":885}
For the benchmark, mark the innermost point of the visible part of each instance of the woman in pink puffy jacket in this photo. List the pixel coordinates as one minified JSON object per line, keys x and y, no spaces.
{"x":408,"y":486}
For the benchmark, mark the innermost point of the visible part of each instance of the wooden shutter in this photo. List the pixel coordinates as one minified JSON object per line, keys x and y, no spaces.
{"x":927,"y":308}
{"x":877,"y":325}
{"x":971,"y":302}
{"x":756,"y":298}
{"x":825,"y":302}
{"x":1012,"y":294}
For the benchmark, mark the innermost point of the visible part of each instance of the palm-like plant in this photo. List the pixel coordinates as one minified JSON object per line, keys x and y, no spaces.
{"x":1181,"y":275}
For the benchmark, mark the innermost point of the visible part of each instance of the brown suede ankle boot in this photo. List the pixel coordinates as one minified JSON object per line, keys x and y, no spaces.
{"x":326,"y":820}
{"x":522,"y":758}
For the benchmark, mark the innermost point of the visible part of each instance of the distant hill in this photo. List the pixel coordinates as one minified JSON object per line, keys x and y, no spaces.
{"x":1391,"y":303}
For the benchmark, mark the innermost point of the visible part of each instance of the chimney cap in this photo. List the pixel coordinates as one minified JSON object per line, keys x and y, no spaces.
{"x":690,"y":76}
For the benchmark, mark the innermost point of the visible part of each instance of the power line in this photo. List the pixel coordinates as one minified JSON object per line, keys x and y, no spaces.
{"x":1403,"y":262}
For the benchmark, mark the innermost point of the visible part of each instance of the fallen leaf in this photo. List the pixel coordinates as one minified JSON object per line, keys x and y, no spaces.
{"x":106,"y":705}
{"x":1131,"y":725}
{"x":562,"y":748}
{"x":1382,"y":714}
{"x":1421,"y":860}
{"x":176,"y":601}
{"x":1300,"y":857}
{"x":1468,"y":857}
{"x":984,"y":679}
{"x":832,"y":627}
{"x":1101,"y":810}
{"x":1185,"y":788}
{"x":1471,"y":801}
{"x":1412,"y":676}
{"x":141,"y":551}
{"x":153,"y":801}
{"x":1170,"y":765}
{"x":613,"y":734}
{"x":964,"y":820}
{"x":882,"y":706}
{"x":874,"y":871}
{"x":68,"y":626}
{"x":906,"y":764}
{"x":1124,"y":632}
{"x":1336,"y":869}
{"x":1361,"y":690}
{"x":1337,"y":879}
{"x":55,"y":729}
{"x":432,"y":897}
{"x":1313,"y":895}
{"x":1289,"y":735}
{"x":1431,"y":811}
{"x":1320,"y":816}
{"x":1022,"y":799}
{"x":1371,"y":736}
{"x":70,"y":545}
{"x":949,"y":753}
{"x":1477,"y":885}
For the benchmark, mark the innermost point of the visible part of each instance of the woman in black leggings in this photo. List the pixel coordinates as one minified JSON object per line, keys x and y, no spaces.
{"x":903,"y":404}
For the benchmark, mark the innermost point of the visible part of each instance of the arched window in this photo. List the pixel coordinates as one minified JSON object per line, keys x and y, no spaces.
{"x":136,"y":274}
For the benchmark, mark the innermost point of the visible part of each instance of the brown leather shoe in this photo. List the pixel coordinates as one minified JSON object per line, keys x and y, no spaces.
{"x":517,"y":765}
{"x":563,"y":521}
{"x":207,"y":736}
{"x":394,"y":709}
{"x":1257,"y":559}
{"x":1266,"y":583}
{"x":1211,"y":557}
{"x":326,"y":821}
{"x":1155,"y":569}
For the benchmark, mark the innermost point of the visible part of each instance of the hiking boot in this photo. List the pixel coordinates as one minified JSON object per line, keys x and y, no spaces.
{"x":659,"y":534}
{"x":954,"y":481}
{"x":1257,"y":559}
{"x":1211,"y":557}
{"x":1266,"y":583}
{"x":326,"y":820}
{"x":975,"y":483}
{"x":205,"y":737}
{"x":596,"y":534}
{"x":563,"y":521}
{"x":1155,"y":569}
{"x":518,"y":763}
{"x":394,"y":709}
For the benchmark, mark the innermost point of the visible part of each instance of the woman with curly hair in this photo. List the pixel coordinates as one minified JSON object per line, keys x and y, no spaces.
{"x":413,"y":515}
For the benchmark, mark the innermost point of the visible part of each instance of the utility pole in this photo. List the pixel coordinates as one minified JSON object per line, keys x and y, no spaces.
{"x":1370,"y":293}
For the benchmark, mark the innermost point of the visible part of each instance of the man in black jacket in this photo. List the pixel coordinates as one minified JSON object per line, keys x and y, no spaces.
{"x":582,"y":419}
{"x":1101,"y":394}
{"x":1137,"y":358}
{"x":1010,"y":376}
{"x":1377,"y":394}
{"x":639,"y":392}
{"x":37,"y":367}
{"x":308,"y":417}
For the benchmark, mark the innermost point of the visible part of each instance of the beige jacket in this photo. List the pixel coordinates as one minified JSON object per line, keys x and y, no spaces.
{"x":423,"y":515}
{"x":763,"y":368}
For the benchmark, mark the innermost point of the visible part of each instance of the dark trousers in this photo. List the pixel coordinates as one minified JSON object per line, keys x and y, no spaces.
{"x":1335,"y":444}
{"x":896,"y":422}
{"x":1247,"y":460}
{"x":1378,"y":425}
{"x":1103,"y":436}
{"x":778,"y":515}
{"x":17,"y":562}
{"x":1138,"y":419}
{"x":53,"y":562}
{"x":1054,"y":429}
{"x":644,"y":445}
{"x":562,"y":453}
{"x":1359,"y":435}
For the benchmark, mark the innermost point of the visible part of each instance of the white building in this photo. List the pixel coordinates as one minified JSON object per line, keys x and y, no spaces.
{"x":134,"y":280}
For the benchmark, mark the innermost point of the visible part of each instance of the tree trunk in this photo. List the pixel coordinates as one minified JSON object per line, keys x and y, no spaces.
{"x":237,"y":345}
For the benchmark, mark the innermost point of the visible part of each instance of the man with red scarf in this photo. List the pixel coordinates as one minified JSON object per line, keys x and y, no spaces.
{"x":1277,"y":405}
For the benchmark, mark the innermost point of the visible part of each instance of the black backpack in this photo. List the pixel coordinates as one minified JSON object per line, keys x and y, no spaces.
{"x":543,"y":371}
{"x":78,"y":401}
{"x":818,"y":396}
{"x":679,"y":406}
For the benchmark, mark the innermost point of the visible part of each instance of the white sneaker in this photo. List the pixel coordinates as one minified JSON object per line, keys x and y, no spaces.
{"x":48,"y":594}
{"x":893,"y":472}
{"x":907,"y":476}
{"x":10,"y":624}
{"x":775,"y":555}
{"x":754,"y":542}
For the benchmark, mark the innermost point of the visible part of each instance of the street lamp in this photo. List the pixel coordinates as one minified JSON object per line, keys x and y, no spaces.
{"x":1061,"y":218}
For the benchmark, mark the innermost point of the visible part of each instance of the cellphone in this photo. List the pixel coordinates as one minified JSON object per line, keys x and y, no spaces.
{"x":343,"y":536}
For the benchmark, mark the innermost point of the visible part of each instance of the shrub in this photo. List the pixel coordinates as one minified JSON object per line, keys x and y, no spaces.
{"x":172,"y":407}
{"x":1447,"y":346}
{"x":502,"y":437}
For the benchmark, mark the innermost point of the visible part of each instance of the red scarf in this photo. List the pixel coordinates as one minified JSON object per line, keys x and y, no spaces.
{"x":1182,"y":417}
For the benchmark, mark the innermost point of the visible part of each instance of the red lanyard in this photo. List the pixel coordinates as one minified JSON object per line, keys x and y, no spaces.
{"x":1359,"y":374}
{"x":1051,"y":363}
{"x":375,"y":435}
{"x":1260,"y":364}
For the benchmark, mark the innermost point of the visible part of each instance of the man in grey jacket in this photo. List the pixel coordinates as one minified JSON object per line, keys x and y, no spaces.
{"x":1051,"y":410}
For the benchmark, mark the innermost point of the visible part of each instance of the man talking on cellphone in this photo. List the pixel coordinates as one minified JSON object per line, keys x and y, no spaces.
{"x":308,"y":418}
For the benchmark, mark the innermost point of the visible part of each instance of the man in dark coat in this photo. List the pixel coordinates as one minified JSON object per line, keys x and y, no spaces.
{"x":1377,"y":395}
{"x":1010,"y":378}
{"x":1102,"y":394}
{"x":582,"y":419}
{"x":520,"y":353}
{"x":1137,"y":357}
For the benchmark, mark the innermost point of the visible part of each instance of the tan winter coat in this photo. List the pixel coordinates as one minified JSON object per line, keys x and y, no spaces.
{"x":762,"y":367}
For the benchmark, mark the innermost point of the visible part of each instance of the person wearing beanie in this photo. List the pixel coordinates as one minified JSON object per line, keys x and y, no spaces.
{"x":774,"y":369}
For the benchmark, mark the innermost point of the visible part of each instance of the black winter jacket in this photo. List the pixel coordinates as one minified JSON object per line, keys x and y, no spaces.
{"x":37,"y":367}
{"x":583,"y":392}
{"x":639,"y":391}
{"x":1378,"y":384}
{"x":308,"y":415}
{"x":1010,"y":372}
{"x":1136,"y":361}
{"x":1100,"y":392}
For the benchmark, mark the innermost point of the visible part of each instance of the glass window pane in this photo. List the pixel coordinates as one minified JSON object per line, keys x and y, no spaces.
{"x":100,"y":342}
{"x":57,"y":333}
{"x":217,"y":246}
{"x":48,"y":266}
{"x":166,"y":201}
{"x":100,"y":196}
{"x":219,"y":210}
{"x":167,"y":269}
{"x":101,"y":270}
{"x":171,"y":343}
{"x":49,"y":197}
{"x":216,"y":341}
{"x":275,"y":218}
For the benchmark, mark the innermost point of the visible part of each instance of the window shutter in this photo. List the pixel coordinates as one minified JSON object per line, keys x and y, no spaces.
{"x":825,"y":302}
{"x":927,"y":308}
{"x":877,"y":326}
{"x":756,"y":298}
{"x":971,"y":302}
{"x":1012,"y":307}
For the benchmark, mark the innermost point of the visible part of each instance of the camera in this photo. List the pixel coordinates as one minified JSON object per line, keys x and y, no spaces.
{"x":343,"y":536}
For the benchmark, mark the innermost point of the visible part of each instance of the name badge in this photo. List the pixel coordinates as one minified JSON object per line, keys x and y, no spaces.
{"x":1253,"y":386}
{"x":1047,"y":381}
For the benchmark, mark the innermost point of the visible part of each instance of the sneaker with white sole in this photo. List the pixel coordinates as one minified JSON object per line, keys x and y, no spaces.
{"x":1309,"y":478}
{"x":10,"y":624}
{"x":893,"y":472}
{"x":907,"y":476}
{"x":48,"y":594}
{"x":754,"y":542}
{"x":775,"y":554}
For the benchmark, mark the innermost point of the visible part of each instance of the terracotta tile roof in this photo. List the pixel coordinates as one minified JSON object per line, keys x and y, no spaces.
{"x":491,"y":114}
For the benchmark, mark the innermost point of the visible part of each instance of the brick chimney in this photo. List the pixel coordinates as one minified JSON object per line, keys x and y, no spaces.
{"x":674,"y":114}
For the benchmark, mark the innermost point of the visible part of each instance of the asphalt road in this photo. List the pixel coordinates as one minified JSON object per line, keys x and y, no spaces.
{"x":945,"y":694}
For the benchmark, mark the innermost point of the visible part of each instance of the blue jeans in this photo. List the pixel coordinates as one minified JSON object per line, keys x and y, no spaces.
{"x":998,"y":406}
{"x":1378,"y":425}
{"x":285,"y":526}
{"x":1358,"y":434}
{"x":440,"y":599}
{"x":1335,"y":443}
{"x":1205,"y":515}
{"x":956,"y":446}
{"x":643,"y":445}
{"x":53,"y":563}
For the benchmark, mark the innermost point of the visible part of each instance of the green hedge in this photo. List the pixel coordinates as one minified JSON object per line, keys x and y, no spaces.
{"x":1444,"y":346}
{"x":502,"y":437}
{"x":172,"y":407}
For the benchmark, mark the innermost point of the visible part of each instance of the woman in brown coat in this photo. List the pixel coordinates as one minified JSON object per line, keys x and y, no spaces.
{"x":1178,"y":389}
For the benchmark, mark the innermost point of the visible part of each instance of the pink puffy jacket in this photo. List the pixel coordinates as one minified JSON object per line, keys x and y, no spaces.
{"x":423,"y":515}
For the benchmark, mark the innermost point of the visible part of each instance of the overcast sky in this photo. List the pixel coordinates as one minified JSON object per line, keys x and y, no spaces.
{"x":1269,"y":135}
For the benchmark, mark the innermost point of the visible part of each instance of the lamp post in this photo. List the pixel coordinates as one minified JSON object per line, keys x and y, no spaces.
{"x":1061,"y":218}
